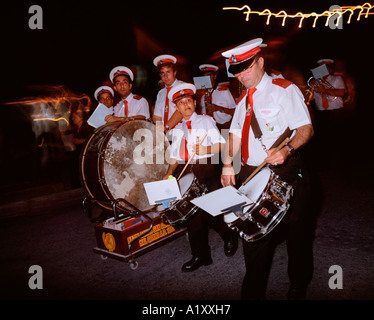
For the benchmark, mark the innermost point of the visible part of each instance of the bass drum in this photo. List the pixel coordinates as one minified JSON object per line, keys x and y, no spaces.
{"x":118,"y":158}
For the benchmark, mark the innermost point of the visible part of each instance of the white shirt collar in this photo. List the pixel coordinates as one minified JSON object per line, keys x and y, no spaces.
{"x":129,"y":97}
{"x":192,"y":118}
{"x":264,"y":81}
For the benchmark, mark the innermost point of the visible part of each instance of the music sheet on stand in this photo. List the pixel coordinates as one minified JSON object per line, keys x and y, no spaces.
{"x":218,"y":200}
{"x":161,"y":190}
{"x":97,"y":118}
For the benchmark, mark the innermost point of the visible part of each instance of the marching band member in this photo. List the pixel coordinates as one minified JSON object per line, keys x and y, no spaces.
{"x":105,"y":95}
{"x":331,"y":119}
{"x":221,"y":103}
{"x":194,"y":127}
{"x":329,"y":98}
{"x":131,"y":106}
{"x":277,"y":104}
{"x":165,"y":109}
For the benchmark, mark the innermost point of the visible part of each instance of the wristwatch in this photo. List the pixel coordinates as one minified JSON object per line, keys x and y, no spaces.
{"x":291,"y":149}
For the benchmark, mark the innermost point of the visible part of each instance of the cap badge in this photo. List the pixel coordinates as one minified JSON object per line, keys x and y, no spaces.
{"x":233,"y":59}
{"x":181,"y":92}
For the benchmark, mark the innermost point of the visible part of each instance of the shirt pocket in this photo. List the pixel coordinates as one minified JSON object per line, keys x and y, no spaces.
{"x":269,"y":120}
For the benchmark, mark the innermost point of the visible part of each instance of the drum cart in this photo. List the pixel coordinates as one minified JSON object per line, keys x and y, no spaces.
{"x":140,"y":232}
{"x":114,"y":182}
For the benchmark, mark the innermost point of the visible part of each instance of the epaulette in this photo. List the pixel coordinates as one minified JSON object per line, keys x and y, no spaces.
{"x":284,"y":83}
{"x":222,"y":88}
{"x":137,"y":97}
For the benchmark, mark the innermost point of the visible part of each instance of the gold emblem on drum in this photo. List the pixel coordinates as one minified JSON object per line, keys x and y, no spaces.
{"x":109,"y":241}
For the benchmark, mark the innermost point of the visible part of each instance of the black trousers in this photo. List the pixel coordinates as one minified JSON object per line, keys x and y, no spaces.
{"x":198,"y":225}
{"x":296,"y":228}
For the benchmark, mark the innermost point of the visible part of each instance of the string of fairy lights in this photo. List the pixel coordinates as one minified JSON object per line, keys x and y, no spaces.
{"x":361,"y":10}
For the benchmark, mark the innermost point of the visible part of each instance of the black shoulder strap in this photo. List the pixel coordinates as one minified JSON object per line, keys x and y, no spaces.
{"x":255,"y":127}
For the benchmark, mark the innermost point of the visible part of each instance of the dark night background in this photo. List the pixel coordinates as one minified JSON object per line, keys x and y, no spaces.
{"x":82,"y":41}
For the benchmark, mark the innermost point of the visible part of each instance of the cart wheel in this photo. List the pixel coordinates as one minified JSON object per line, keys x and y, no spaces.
{"x":103,"y":257}
{"x":133,"y":264}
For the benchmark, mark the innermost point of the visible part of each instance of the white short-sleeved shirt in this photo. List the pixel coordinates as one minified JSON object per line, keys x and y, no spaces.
{"x":334,"y":102}
{"x":278,"y":104}
{"x":221,"y":97}
{"x":161,"y":100}
{"x":138,"y":106}
{"x":200,"y":125}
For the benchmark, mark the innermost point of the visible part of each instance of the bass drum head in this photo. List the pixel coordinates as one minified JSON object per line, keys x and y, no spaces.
{"x":134,"y":154}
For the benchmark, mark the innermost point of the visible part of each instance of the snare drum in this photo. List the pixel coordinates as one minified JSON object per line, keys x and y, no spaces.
{"x":181,"y":210}
{"x":270,"y":201}
{"x":118,"y":158}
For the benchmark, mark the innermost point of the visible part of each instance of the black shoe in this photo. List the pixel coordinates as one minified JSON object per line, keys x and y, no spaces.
{"x":296,"y":293}
{"x":231,"y":246}
{"x":195,"y":263}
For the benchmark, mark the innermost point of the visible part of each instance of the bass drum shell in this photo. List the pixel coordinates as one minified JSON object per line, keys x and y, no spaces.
{"x":118,"y":158}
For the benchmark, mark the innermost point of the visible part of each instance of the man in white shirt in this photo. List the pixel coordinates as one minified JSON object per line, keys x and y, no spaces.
{"x":329,"y":96}
{"x":131,"y":106}
{"x":277,"y":104}
{"x":164,"y":109}
{"x":217,"y":101}
{"x":188,"y":141}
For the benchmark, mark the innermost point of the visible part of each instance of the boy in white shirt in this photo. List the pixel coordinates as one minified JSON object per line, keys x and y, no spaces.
{"x":187,"y":142}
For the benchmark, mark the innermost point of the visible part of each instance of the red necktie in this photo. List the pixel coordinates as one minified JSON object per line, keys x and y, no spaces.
{"x":188,"y":123}
{"x":183,"y":150}
{"x":247,"y":124}
{"x":325,"y":103}
{"x":126,"y":108}
{"x":166,"y":110}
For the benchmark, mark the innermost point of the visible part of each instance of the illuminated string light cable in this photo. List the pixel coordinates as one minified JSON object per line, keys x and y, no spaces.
{"x":363,"y":10}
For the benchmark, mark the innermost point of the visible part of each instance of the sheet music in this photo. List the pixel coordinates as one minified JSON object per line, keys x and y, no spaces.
{"x":229,"y":74}
{"x":220,"y":199}
{"x":203,"y":82}
{"x":320,"y":72}
{"x":97,"y":118}
{"x":161,"y":190}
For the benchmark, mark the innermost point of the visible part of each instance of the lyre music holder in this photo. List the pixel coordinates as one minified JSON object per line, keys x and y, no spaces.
{"x":166,"y":202}
{"x":237,"y":209}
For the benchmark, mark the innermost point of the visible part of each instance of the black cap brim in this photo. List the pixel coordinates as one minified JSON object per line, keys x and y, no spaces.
{"x":239,"y":67}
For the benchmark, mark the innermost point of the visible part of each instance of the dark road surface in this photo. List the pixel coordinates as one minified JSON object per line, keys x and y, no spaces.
{"x":61,"y":239}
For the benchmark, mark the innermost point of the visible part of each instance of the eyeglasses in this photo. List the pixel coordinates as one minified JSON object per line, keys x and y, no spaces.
{"x":249,"y":69}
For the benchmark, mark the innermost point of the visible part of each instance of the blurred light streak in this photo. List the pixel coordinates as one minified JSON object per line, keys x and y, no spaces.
{"x":364,"y":10}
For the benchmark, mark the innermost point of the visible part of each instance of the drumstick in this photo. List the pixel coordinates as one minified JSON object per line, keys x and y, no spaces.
{"x":262,"y":164}
{"x":189,"y":160}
